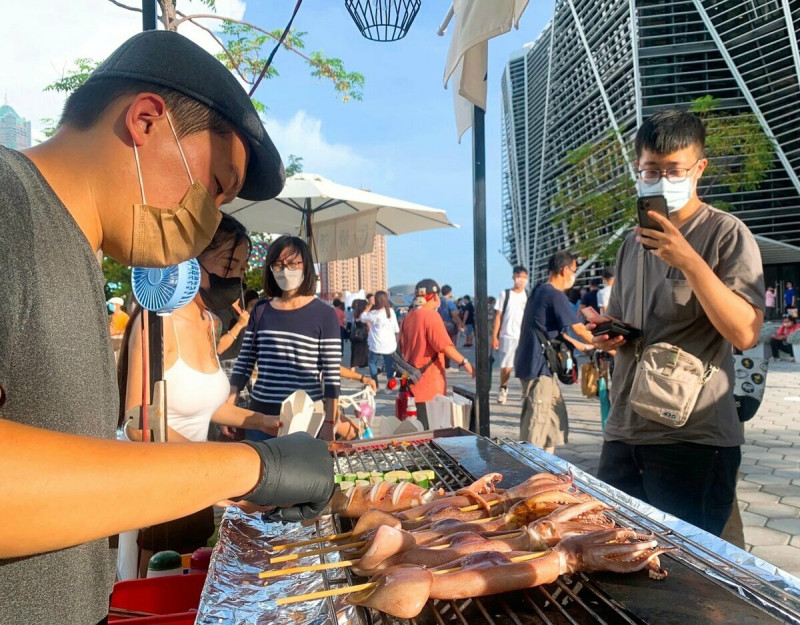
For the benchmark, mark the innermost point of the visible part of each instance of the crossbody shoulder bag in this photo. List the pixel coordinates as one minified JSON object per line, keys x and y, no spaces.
{"x":667,"y":379}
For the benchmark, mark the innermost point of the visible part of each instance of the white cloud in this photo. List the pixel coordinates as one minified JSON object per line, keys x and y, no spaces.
{"x":302,"y":135}
{"x":39,"y":41}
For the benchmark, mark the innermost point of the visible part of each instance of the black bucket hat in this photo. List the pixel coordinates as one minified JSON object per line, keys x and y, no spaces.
{"x":171,"y":60}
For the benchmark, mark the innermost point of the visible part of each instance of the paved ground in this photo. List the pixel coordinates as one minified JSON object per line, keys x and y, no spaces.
{"x":769,"y":488}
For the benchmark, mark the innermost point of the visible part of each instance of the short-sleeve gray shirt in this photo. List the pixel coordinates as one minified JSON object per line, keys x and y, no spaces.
{"x":57,"y":370}
{"x":673,"y":314}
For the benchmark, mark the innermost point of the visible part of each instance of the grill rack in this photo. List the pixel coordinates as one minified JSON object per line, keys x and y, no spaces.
{"x":702,"y":559}
{"x":571,"y":599}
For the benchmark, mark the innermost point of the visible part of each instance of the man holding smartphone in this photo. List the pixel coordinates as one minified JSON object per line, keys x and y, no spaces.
{"x":703,"y":292}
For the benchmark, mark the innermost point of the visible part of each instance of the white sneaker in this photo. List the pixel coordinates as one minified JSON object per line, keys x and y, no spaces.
{"x":502,"y":396}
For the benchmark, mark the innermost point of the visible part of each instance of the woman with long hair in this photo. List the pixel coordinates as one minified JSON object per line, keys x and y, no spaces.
{"x":197,"y":386}
{"x":292,"y":336}
{"x":359,"y":333}
{"x":382,"y":339}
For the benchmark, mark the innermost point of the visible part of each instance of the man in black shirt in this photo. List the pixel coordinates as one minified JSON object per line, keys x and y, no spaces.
{"x":544,"y":415}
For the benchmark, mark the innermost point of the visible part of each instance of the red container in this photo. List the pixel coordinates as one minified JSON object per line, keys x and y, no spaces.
{"x":172,"y":599}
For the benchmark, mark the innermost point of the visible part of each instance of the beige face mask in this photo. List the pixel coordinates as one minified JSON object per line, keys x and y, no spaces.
{"x":168,"y":236}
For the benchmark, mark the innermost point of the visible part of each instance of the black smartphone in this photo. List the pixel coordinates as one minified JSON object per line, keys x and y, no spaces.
{"x":656,"y":203}
{"x":615,"y":328}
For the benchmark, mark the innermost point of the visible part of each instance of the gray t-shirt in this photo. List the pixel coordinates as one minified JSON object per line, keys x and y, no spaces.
{"x":57,"y":371}
{"x":673,"y":314}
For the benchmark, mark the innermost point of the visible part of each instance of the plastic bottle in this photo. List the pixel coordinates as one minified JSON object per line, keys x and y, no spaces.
{"x":401,"y":401}
{"x":367,"y":433}
{"x":201,"y":558}
{"x":165,"y":563}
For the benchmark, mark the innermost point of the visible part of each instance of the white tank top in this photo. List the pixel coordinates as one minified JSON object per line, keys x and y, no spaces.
{"x":193,"y":396}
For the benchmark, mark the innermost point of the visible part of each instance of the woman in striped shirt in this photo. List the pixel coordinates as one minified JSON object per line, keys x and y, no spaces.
{"x":292,"y":335}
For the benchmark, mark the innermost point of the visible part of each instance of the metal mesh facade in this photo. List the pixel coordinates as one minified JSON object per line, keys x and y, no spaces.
{"x":604,"y":64}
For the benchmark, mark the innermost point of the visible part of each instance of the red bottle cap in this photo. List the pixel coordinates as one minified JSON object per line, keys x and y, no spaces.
{"x":201,"y":558}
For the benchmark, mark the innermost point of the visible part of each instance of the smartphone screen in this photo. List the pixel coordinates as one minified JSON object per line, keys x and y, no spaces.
{"x":656,"y":203}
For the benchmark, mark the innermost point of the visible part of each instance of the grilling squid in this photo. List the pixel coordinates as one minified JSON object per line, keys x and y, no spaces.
{"x":390,"y":546}
{"x":403,"y":590}
{"x":400,"y":496}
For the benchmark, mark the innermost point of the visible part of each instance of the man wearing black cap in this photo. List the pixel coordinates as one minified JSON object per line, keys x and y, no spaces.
{"x":424,"y":343}
{"x":147,"y":150}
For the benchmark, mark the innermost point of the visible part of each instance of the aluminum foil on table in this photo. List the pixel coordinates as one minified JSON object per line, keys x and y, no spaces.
{"x":235,"y":595}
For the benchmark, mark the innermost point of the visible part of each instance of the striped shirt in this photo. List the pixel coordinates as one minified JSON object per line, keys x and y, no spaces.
{"x":293,"y":349}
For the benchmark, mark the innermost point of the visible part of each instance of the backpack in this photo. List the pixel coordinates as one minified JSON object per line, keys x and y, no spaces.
{"x":358,"y":332}
{"x":444,"y":313}
{"x":559,"y":356}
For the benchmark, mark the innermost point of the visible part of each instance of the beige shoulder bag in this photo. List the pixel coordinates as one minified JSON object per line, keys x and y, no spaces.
{"x":667,"y":380}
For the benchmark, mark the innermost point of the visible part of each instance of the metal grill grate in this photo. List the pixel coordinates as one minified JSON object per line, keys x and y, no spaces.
{"x":702,"y":560}
{"x":572,"y":599}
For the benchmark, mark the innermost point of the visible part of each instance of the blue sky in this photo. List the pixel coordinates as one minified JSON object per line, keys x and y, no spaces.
{"x":401,"y":139}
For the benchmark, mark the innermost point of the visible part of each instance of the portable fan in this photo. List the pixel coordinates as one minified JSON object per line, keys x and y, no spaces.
{"x":164,"y":290}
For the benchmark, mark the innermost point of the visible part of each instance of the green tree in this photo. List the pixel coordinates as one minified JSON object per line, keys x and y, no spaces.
{"x":295,"y":165}
{"x":244,"y":48}
{"x":596,"y":195}
{"x":118,"y":278}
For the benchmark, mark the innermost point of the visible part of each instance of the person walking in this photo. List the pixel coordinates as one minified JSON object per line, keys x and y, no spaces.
{"x":769,"y":303}
{"x":604,"y":294}
{"x":544,"y":421}
{"x":505,"y":335}
{"x":359,"y":334}
{"x":448,"y":311}
{"x":382,"y":339}
{"x":424,"y":343}
{"x":469,"y":321}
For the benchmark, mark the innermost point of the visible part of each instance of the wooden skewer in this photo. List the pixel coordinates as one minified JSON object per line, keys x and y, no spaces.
{"x":366,"y":586}
{"x":310,"y":596}
{"x":312,"y":541}
{"x":471,"y":508}
{"x":302,"y":569}
{"x":332,"y":537}
{"x":316,"y":552}
{"x":344,"y":563}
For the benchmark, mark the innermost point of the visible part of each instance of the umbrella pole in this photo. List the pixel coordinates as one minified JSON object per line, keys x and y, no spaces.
{"x":479,"y":249}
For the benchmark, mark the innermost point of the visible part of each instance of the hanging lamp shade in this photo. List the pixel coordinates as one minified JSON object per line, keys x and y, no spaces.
{"x":383,"y":20}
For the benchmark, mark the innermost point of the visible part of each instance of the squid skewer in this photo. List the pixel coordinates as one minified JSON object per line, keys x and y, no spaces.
{"x":402,"y":591}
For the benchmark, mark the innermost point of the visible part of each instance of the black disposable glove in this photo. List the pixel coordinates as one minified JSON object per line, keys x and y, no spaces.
{"x":296,"y":476}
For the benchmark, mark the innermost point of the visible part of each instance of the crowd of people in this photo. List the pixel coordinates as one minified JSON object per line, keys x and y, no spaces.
{"x":182,"y":139}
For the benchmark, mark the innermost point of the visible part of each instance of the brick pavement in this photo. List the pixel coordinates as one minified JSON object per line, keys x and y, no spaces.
{"x":769,"y":488}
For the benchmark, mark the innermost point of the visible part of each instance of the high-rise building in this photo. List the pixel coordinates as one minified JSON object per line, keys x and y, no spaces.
{"x":602,"y":65}
{"x":15,"y":132}
{"x":366,"y":272}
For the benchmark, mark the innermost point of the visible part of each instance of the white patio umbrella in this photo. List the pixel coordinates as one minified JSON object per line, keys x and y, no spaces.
{"x":340,"y":221}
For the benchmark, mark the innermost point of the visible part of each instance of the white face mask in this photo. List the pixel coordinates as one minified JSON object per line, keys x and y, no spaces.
{"x":571,"y":281}
{"x":677,"y":194}
{"x":520,"y":283}
{"x":288,"y":279}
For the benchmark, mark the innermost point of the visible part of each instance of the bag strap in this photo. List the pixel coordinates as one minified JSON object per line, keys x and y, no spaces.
{"x":638,"y":313}
{"x":505,"y":305}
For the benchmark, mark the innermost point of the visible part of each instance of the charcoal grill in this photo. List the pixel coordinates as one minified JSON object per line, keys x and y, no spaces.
{"x":709,"y":580}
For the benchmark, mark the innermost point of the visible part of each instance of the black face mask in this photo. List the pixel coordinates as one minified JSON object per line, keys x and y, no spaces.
{"x":223,"y":292}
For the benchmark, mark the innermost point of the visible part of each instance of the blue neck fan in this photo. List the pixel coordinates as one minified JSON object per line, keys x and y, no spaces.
{"x":163,"y":291}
